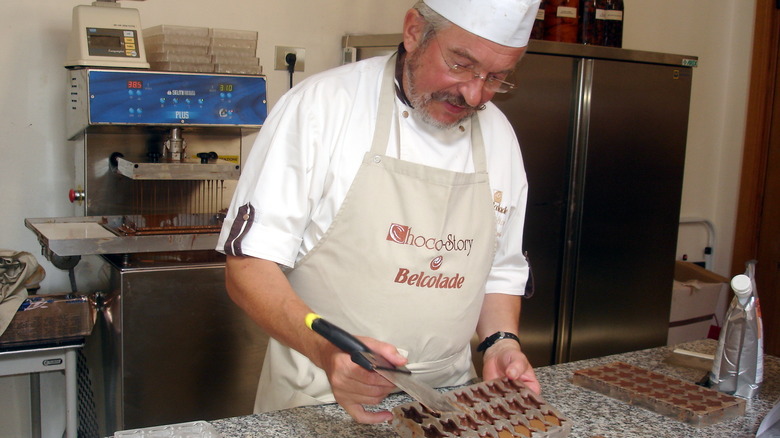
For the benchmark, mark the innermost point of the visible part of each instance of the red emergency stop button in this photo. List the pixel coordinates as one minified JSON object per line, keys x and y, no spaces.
{"x":75,"y":195}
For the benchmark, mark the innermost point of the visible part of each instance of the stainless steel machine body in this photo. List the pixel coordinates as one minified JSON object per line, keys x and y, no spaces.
{"x":175,"y":348}
{"x":158,"y":156}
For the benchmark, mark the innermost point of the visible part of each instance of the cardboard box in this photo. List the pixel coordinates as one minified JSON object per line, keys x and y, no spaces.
{"x":695,"y":296}
{"x":45,"y":319}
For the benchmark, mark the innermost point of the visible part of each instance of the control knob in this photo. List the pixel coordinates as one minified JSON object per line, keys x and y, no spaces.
{"x":206,"y":156}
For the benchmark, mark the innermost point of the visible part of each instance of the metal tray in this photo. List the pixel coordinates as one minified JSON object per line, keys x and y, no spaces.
{"x":94,"y":235}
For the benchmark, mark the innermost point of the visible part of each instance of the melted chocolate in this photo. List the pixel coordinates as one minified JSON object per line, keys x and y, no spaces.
{"x":482,"y":394}
{"x":522,"y":430}
{"x":427,"y":411}
{"x":496,"y":389}
{"x":517,"y":406}
{"x":449,"y":426}
{"x":485,"y":417}
{"x":464,"y":399}
{"x":468,"y":422}
{"x":537,"y":424}
{"x":413,"y":414}
{"x":501,"y":411}
{"x":433,"y":432}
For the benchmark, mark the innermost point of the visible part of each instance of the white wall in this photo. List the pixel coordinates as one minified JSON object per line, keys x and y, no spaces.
{"x":38,"y":165}
{"x":720,"y":33}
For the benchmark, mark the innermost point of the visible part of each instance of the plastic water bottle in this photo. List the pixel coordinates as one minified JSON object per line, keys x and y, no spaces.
{"x":738,"y":366}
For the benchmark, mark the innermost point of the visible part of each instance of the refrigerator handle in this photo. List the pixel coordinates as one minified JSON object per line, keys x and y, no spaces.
{"x":580,"y":131}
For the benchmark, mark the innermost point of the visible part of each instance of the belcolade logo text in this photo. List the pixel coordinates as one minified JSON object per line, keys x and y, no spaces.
{"x":433,"y":281}
{"x":498,"y":196}
{"x":402,"y":234}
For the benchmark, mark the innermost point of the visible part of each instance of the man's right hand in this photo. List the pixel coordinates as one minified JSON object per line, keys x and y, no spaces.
{"x":353,"y":386}
{"x":261,"y":289}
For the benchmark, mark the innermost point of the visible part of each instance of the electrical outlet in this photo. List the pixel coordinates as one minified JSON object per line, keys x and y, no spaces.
{"x":281,"y":55}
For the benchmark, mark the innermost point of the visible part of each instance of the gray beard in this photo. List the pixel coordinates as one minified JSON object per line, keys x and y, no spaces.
{"x":421,"y":102}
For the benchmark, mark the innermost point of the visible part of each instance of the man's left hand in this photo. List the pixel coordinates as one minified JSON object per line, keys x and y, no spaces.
{"x":504,"y":358}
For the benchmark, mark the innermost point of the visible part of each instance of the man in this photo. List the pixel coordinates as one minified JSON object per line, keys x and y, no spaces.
{"x":388,"y":196}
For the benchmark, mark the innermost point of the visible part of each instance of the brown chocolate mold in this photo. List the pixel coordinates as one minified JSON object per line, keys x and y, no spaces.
{"x":683,"y":401}
{"x":498,"y":408}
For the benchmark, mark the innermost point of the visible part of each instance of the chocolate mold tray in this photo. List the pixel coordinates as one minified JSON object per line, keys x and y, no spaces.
{"x":678,"y":399}
{"x":500,"y":408}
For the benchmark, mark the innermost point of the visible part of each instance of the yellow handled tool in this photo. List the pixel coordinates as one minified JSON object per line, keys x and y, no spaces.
{"x":363,"y":356}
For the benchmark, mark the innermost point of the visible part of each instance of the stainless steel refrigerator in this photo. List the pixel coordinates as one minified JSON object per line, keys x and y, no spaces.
{"x":603,"y":134}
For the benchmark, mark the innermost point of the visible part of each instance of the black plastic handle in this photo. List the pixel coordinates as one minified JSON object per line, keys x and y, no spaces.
{"x":342,"y":339}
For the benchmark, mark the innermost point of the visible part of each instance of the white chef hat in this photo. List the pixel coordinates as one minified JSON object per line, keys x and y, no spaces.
{"x":506,"y":22}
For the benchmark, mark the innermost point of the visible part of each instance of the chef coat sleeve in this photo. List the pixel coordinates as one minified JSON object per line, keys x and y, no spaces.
{"x":278,"y":185}
{"x":510,"y":270}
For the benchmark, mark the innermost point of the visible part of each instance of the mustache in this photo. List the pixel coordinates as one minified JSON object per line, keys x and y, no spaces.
{"x":453,"y":99}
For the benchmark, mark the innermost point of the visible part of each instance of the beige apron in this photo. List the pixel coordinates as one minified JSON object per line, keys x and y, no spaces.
{"x":405,"y":261}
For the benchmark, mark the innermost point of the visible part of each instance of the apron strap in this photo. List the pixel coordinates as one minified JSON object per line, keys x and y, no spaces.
{"x":384,"y":118}
{"x":384,"y":114}
{"x":477,"y":146}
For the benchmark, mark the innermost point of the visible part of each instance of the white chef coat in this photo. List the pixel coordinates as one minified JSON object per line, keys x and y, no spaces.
{"x":311,"y":146}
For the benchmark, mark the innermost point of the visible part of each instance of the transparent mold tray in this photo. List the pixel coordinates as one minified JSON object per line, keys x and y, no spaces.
{"x":181,"y":66}
{"x":499,"y":408}
{"x":175,"y":39}
{"x":161,"y":48}
{"x":674,"y":398}
{"x":235,"y":34}
{"x":170,"y":29}
{"x":178,"y":57}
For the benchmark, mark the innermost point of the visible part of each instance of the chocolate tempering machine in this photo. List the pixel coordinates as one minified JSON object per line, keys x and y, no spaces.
{"x":158,"y":155}
{"x":157,"y":158}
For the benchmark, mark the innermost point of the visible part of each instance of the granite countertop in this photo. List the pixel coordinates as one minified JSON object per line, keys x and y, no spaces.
{"x":592,"y":414}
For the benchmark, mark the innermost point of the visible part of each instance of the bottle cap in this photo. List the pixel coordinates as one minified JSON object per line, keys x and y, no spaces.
{"x":741,"y":285}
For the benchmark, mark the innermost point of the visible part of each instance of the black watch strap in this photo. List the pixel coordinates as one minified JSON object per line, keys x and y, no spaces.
{"x":495,"y":337}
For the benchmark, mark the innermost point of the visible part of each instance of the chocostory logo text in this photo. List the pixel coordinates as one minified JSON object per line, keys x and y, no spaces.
{"x":402,"y":234}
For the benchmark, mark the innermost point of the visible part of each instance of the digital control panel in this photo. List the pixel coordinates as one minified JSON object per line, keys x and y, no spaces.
{"x":167,"y":98}
{"x":113,"y":42}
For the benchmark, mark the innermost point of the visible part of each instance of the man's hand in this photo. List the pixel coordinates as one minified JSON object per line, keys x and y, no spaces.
{"x":501,"y":312}
{"x":353,"y":386}
{"x":261,"y":289}
{"x":504,"y":358}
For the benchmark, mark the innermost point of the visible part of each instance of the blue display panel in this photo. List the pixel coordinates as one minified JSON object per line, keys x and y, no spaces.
{"x":138,"y":97}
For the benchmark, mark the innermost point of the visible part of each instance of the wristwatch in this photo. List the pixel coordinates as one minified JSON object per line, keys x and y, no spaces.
{"x":495,"y":337}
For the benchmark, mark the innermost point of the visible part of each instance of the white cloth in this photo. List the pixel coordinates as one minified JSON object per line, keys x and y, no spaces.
{"x":19,"y":271}
{"x":311,"y":146}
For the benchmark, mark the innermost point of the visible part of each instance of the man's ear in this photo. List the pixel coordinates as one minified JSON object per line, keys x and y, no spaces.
{"x":414,"y":25}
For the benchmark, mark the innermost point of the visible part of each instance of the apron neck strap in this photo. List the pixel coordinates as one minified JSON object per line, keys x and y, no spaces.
{"x":384,"y":118}
{"x":384,"y":113}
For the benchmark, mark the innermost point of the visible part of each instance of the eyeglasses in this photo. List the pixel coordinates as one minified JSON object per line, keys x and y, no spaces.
{"x":465,"y":74}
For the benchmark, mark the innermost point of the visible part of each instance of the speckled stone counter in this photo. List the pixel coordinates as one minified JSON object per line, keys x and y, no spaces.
{"x":592,"y":414}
